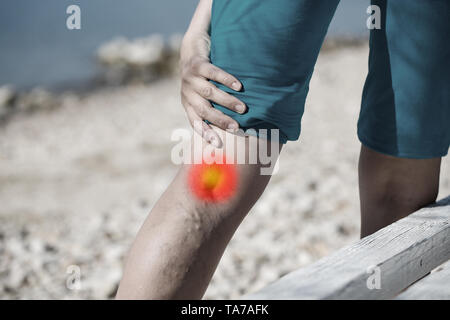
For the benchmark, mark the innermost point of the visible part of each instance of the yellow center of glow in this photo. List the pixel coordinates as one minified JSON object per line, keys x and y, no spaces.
{"x":211,"y":178}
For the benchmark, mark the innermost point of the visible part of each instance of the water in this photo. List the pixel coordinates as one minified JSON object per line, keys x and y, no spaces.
{"x":36,"y":48}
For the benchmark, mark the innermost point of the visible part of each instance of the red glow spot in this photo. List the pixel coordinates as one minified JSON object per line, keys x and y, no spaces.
{"x":213,"y":182}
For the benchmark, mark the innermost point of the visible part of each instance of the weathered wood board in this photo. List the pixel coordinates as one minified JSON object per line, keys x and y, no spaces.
{"x":436,"y":286}
{"x":393,"y":258}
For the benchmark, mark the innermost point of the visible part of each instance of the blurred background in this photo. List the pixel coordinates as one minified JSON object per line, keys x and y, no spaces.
{"x":86,"y":118}
{"x":38,"y":49}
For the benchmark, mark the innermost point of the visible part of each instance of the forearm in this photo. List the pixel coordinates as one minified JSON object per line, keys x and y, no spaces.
{"x":197,"y":31}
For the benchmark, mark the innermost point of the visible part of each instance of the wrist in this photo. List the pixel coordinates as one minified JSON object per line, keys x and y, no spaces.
{"x":195,"y":43}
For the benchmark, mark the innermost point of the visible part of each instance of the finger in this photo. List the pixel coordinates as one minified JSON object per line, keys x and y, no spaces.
{"x":210,"y":92}
{"x":206,"y":112}
{"x":211,"y":72}
{"x":197,"y":123}
{"x":203,"y":129}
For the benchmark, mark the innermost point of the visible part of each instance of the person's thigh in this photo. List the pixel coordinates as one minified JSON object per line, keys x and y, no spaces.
{"x":271,"y":46}
{"x":405,"y":109}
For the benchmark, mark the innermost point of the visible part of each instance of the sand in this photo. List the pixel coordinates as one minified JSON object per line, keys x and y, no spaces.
{"x":77,"y":182}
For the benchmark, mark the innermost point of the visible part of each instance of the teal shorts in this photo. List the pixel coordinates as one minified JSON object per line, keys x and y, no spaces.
{"x":271,"y":46}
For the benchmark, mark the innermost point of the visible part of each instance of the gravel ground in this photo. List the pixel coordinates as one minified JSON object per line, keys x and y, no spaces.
{"x":77,"y":182}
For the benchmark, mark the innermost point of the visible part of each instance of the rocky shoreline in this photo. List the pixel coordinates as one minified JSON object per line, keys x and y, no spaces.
{"x":124,"y":62}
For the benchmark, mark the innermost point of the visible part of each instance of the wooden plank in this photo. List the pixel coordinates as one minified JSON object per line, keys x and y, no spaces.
{"x":403,"y":252}
{"x":436,"y":286}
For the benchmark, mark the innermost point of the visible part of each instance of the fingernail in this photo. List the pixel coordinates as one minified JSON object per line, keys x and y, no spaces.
{"x":240,"y":108}
{"x":236,"y":86}
{"x":232,"y":127}
{"x":215,"y":142}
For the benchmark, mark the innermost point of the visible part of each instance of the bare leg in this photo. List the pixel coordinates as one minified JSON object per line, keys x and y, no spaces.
{"x":391,"y":188}
{"x":182,"y":240}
